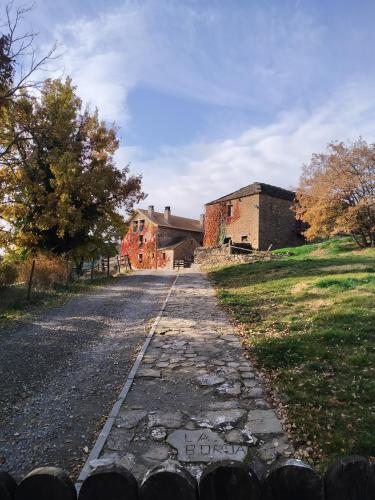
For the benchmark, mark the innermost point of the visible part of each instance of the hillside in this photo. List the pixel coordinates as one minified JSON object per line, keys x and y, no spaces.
{"x":308,"y":321}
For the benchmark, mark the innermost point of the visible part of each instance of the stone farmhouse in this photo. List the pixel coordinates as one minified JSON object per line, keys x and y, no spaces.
{"x":157,"y":240}
{"x":258,"y":215}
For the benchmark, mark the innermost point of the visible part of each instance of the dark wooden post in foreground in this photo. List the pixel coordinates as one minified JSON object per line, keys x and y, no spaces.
{"x":229,"y":480}
{"x":7,"y":486}
{"x":350,"y":478}
{"x":292,"y":480}
{"x":46,"y":483}
{"x":109,"y":483}
{"x":169,"y":482}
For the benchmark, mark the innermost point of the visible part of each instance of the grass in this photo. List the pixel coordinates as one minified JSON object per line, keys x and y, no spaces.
{"x":308,"y":320}
{"x":15,"y":306}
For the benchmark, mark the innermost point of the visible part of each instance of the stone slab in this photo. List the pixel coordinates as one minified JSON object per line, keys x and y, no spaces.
{"x":204,"y":446}
{"x":263,"y":422}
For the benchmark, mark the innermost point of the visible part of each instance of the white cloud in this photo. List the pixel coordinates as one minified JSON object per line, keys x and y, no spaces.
{"x":189,"y":176}
{"x":248,"y":57}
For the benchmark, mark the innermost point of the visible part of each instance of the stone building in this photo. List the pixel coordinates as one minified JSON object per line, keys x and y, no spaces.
{"x":259,"y":215}
{"x":158,"y":239}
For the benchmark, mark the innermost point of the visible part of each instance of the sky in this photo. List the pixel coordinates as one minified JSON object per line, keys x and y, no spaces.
{"x":212,"y":95}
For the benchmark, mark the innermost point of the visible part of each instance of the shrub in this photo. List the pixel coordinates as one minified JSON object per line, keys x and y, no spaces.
{"x":49,"y":271}
{"x":8,"y":274}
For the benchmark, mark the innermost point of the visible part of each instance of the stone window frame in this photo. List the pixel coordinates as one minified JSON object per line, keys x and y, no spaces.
{"x":140,"y":257}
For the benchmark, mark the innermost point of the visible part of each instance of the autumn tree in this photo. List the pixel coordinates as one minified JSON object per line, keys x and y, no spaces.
{"x":336,"y":193}
{"x":60,"y":190}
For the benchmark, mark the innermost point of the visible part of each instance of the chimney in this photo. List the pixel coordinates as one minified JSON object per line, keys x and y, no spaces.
{"x":150,"y":210}
{"x":167,"y":213}
{"x":201,"y":220}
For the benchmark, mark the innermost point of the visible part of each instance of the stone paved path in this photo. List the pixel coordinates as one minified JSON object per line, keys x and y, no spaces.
{"x":196,"y":398}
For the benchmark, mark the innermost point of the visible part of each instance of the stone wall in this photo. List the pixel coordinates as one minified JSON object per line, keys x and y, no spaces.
{"x":247,"y":222}
{"x":222,"y":255}
{"x":278,"y":225}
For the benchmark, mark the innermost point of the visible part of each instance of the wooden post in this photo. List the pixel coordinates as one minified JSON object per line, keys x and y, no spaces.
{"x":118,"y":264}
{"x":351,"y":478}
{"x":30,"y":279}
{"x":107,"y":267}
{"x":229,"y":479}
{"x":46,"y":483}
{"x":109,"y":483}
{"x":7,"y":486}
{"x":169,"y":482}
{"x":293,"y":480}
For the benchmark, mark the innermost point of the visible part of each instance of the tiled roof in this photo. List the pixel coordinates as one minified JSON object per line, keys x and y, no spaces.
{"x":255,"y":188}
{"x":173,"y":221}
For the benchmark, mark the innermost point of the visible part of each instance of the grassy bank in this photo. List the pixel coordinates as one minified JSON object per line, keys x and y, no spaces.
{"x":309,"y":322}
{"x":14,"y":304}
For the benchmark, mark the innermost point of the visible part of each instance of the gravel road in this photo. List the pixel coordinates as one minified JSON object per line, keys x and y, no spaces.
{"x":61,"y":371}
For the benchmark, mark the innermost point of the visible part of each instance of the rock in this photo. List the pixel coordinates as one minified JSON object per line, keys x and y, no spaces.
{"x":129,"y":419}
{"x":228,"y":388}
{"x":234,"y":436}
{"x":157,"y":453}
{"x":247,"y":375}
{"x":170,"y":420}
{"x":250,"y":383}
{"x":253,"y":392}
{"x":158,"y":434}
{"x":204,"y":446}
{"x":148,"y":372}
{"x":220,"y":419}
{"x":224,"y":405}
{"x":271,"y":450}
{"x":119,"y":439}
{"x":209,"y":379}
{"x":263,"y":422}
{"x":261,"y":404}
{"x":100,"y":462}
{"x":162,"y":364}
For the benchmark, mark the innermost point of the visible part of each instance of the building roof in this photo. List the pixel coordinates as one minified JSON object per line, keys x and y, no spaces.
{"x":176,"y":242}
{"x":173,"y":222}
{"x":255,"y":188}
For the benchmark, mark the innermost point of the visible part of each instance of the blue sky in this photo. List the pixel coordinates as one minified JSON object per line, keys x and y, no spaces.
{"x":213,"y":95}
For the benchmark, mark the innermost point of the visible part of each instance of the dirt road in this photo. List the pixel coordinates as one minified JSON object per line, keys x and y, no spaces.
{"x":61,"y":371}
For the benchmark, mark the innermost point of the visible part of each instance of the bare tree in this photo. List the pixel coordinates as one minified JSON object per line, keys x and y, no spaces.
{"x":19,"y":61}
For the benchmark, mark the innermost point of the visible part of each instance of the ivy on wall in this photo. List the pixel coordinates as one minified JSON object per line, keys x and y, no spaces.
{"x":216,"y":220}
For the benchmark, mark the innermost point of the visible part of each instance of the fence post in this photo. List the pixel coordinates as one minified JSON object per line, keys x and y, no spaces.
{"x":169,"y":481}
{"x":109,"y":483}
{"x":351,"y":478}
{"x":46,"y":483}
{"x":7,"y":486}
{"x":229,"y":480}
{"x":291,"y":479}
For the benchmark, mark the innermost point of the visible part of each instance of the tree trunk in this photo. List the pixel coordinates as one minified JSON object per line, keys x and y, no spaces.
{"x":30,"y":280}
{"x":67,"y":272}
{"x":107,"y":267}
{"x":92,"y":269}
{"x":118,"y":264}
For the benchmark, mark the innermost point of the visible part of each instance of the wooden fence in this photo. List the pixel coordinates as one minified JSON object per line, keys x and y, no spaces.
{"x":351,"y":478}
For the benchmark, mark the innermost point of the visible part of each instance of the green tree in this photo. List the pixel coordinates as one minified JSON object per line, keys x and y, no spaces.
{"x":60,"y":190}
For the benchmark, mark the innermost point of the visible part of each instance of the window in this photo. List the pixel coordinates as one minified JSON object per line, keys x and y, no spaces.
{"x":135,"y":226}
{"x":164,"y":256}
{"x":141,"y":225}
{"x":140,"y":257}
{"x":244,"y":238}
{"x":229,"y":210}
{"x":140,"y":240}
